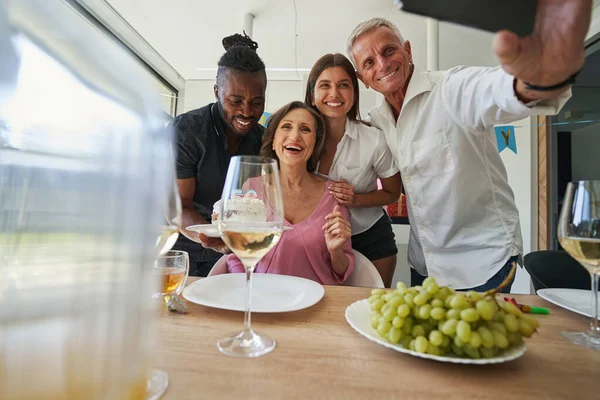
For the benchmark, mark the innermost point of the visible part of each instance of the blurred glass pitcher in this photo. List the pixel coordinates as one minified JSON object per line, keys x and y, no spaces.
{"x":84,"y":165}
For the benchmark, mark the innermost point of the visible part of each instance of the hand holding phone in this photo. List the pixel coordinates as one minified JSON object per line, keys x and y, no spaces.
{"x":517,"y":16}
{"x":539,"y":42}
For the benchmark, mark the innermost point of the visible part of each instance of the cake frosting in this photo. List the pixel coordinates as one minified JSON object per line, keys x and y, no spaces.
{"x":243,"y":209}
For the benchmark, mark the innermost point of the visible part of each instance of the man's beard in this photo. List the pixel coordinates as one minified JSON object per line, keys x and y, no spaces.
{"x":227,"y":122}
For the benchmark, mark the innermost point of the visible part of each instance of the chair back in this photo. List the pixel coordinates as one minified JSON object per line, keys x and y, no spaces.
{"x":556,"y":269}
{"x":220,"y":266}
{"x":365,"y":274}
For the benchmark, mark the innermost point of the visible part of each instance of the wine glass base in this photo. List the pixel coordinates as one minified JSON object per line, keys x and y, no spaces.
{"x":583,"y":339}
{"x":248,"y":344}
{"x":157,"y":384}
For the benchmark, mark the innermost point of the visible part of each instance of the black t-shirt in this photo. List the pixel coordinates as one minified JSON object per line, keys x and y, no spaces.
{"x":201,"y":146}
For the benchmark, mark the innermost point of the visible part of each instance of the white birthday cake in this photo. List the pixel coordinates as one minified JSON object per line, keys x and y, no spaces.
{"x":243,"y":209}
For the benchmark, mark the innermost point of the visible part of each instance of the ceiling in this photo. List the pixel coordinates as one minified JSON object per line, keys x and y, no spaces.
{"x":188,"y":33}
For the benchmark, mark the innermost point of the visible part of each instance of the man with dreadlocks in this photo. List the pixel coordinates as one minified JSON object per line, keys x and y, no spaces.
{"x":207,"y":138}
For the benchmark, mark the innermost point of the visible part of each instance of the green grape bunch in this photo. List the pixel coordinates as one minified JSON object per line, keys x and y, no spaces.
{"x":440,"y":321}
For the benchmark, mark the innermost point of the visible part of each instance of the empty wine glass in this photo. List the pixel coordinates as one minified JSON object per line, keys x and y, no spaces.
{"x":169,"y":231}
{"x":171,"y":266}
{"x":579,"y":235}
{"x":251,"y":222}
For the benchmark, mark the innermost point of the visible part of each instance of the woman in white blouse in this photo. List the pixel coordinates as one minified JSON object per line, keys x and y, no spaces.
{"x":355,"y":155}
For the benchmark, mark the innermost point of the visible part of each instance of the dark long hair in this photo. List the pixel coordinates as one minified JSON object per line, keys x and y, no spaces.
{"x":330,"y":61}
{"x":267,"y":144}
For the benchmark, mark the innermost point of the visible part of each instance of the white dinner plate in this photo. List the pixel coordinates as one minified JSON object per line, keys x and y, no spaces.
{"x":211,"y":230}
{"x":358,"y":315}
{"x":576,"y":300}
{"x":271,"y":293}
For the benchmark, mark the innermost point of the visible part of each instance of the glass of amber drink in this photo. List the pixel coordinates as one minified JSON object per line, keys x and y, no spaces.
{"x":172,"y":267}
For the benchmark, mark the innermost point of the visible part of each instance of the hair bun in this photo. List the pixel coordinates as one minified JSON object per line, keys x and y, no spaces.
{"x":239,"y":40}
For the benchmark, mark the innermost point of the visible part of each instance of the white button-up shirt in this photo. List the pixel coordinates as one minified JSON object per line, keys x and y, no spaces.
{"x":362,"y":156}
{"x":464,"y":221}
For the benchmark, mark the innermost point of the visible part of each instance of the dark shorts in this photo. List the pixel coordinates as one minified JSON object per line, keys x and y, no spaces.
{"x":378,"y":241}
{"x":201,"y":259}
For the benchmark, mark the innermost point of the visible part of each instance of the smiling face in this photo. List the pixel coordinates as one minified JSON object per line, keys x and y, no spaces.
{"x":333,"y":93}
{"x":242,"y":97}
{"x":332,"y":88}
{"x":382,"y":61}
{"x":295,"y":138}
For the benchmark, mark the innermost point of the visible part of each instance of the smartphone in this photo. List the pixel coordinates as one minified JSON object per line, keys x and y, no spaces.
{"x":517,"y":16}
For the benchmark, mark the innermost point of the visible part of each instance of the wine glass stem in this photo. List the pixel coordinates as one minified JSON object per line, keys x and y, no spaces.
{"x":594,"y":326}
{"x":247,"y":315}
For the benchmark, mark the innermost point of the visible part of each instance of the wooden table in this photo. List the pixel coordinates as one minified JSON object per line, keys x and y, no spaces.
{"x":319,"y":356}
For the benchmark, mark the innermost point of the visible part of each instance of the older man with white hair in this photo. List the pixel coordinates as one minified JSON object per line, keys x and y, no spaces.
{"x":464,"y":222}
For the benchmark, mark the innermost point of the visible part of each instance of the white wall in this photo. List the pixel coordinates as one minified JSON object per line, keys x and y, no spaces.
{"x":585,"y":153}
{"x":198,"y":93}
{"x":461,"y":45}
{"x":402,"y":272}
{"x":595,"y":23}
{"x":521,"y":169}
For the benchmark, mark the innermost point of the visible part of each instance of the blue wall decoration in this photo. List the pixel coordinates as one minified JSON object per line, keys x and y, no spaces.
{"x":505,"y":136}
{"x":264,"y":119}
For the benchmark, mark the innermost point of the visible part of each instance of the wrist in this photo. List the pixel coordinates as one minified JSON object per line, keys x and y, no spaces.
{"x":333,"y":252}
{"x":356,"y":201}
{"x":544,"y":88}
{"x":553,"y":84}
{"x":526,"y":95}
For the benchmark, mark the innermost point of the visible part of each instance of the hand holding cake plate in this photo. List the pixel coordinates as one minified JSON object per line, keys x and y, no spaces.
{"x":209,"y":230}
{"x":248,"y":209}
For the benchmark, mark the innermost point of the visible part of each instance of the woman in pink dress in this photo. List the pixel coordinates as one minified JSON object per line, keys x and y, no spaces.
{"x":318,"y":247}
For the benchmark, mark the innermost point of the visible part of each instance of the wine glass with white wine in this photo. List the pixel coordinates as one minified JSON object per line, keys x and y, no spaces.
{"x":579,"y":235}
{"x":250,"y":235}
